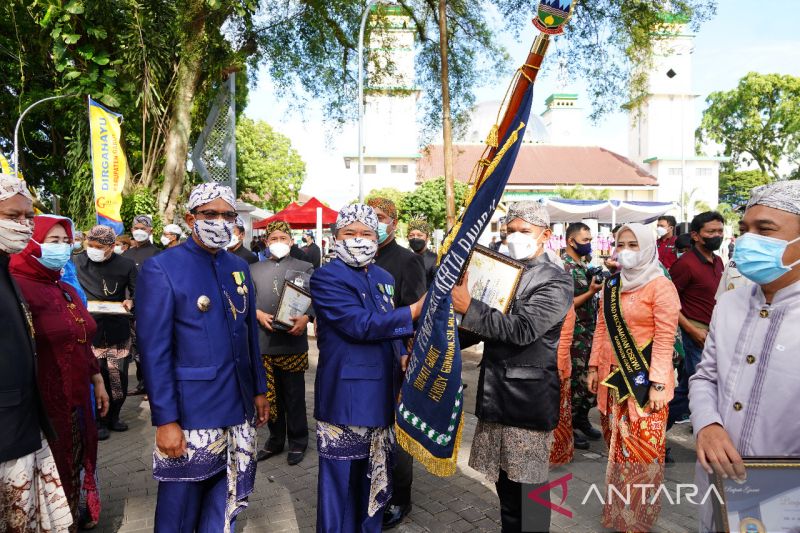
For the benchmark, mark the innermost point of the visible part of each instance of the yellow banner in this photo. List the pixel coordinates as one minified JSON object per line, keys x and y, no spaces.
{"x":109,"y":166}
{"x":6,"y":167}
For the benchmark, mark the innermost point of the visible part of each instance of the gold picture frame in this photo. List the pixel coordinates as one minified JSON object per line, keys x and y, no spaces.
{"x":493,"y":278}
{"x":769,"y":495}
{"x":294,"y":302}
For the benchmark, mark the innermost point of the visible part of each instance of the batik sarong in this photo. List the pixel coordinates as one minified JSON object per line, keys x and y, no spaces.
{"x":521,"y":453}
{"x":287,"y":363}
{"x":114,"y":356}
{"x":209,"y":452}
{"x":349,"y":443}
{"x":563,"y":449}
{"x":635,"y":457}
{"x":31,"y":495}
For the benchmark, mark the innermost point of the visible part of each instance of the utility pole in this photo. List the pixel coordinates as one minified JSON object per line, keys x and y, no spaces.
{"x":447,"y":127}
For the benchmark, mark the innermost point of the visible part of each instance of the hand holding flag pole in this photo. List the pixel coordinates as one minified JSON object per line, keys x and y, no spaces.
{"x":429,"y":416}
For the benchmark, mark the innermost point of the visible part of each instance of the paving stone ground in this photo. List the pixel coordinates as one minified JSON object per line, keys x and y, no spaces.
{"x":285,"y":496}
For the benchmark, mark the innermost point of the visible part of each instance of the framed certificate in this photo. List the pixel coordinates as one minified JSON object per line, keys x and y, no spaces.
{"x":769,"y":499}
{"x":99,"y":307}
{"x":294,"y":302}
{"x":493,"y":277}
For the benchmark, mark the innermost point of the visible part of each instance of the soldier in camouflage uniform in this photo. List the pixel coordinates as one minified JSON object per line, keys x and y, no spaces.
{"x":579,"y":246}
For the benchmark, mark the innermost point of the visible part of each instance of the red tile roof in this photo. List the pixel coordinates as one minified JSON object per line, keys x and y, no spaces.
{"x":542,"y":164}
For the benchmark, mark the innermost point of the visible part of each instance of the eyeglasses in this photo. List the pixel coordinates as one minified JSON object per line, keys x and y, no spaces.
{"x":230,"y":216}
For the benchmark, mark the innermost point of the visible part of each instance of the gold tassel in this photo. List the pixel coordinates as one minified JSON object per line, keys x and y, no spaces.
{"x":441,"y":467}
{"x":491,"y":139}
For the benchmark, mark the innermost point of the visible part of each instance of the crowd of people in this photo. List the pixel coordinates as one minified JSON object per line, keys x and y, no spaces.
{"x":665,"y":334}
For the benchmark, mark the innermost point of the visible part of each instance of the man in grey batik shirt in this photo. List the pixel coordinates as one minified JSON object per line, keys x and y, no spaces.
{"x":284,"y":349}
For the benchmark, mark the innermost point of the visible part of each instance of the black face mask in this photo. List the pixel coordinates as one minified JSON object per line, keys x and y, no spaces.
{"x":417,"y":244}
{"x":712,"y":244}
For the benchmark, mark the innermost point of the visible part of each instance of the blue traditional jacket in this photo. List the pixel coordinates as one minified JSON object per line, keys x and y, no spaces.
{"x":198,"y":337}
{"x":357,"y":328}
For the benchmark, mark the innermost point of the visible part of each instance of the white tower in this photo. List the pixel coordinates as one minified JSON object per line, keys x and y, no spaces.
{"x":390,"y":113}
{"x":662,"y":138}
{"x":563,"y":118}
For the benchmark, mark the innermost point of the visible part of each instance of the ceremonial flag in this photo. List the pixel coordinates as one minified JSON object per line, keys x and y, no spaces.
{"x":109,"y":166}
{"x":431,"y":407}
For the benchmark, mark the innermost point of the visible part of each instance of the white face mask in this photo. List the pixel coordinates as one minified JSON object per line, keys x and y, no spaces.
{"x":95,"y":254}
{"x":628,"y":258}
{"x":214,"y":234}
{"x":279,"y":250}
{"x":14,"y":236}
{"x":118,"y":249}
{"x":140,"y":235}
{"x":661,"y":231}
{"x":356,"y":252}
{"x":522,"y":245}
{"x":234,"y":241}
{"x":165,"y":240}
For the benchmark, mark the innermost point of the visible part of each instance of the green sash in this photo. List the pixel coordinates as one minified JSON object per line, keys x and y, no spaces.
{"x":630,"y":378}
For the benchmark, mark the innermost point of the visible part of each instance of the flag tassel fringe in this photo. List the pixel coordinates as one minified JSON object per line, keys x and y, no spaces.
{"x":438,"y":466}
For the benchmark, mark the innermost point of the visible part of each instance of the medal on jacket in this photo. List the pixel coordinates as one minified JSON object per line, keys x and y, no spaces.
{"x":203,"y":303}
{"x":239,"y":278}
{"x":241,"y":289}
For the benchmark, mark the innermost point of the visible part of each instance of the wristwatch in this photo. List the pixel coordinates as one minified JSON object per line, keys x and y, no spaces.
{"x":658,"y":387}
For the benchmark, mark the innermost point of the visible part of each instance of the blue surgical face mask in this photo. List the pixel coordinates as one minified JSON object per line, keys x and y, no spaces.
{"x":382,"y":234}
{"x":583,"y":249}
{"x":55,"y":254}
{"x":760,"y":259}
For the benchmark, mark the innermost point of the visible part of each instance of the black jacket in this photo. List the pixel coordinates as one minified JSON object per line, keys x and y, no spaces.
{"x":22,"y":416}
{"x":518,"y":383}
{"x":140,"y":254}
{"x":113,"y":280}
{"x":313,"y":254}
{"x":245,"y":254}
{"x":407,"y":270}
{"x":429,"y":261}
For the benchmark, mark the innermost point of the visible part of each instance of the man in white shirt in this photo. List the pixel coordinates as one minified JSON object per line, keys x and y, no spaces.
{"x":744,"y":394}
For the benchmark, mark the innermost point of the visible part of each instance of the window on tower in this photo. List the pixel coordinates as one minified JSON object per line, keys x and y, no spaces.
{"x":399,"y":169}
{"x":673,"y":171}
{"x":370,"y":169}
{"x":671,"y":73}
{"x":702,"y":172}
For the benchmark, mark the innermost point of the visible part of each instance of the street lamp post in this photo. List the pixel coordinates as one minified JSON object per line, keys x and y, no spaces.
{"x":19,"y":121}
{"x":364,"y":17}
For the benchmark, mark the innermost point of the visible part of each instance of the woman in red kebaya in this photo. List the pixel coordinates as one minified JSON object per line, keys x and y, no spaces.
{"x":66,"y":365}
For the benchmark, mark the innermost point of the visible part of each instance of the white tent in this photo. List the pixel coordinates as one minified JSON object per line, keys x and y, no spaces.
{"x":605,"y":211}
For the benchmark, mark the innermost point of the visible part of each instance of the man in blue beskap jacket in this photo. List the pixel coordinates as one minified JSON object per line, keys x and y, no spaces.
{"x":198,"y":337}
{"x":358,"y":376}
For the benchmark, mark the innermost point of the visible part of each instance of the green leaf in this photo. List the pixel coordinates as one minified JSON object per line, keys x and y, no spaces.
{"x":56,"y":33}
{"x":97,"y":33}
{"x":110,"y":100}
{"x":86,"y":50}
{"x":71,"y":38}
{"x":101,"y":59}
{"x":75,"y":7}
{"x":71,"y":75}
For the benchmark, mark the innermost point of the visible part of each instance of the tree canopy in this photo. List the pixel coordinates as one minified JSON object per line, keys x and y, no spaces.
{"x":429,"y":200}
{"x":579,"y":192}
{"x":159,"y":63}
{"x":735,"y":186}
{"x":758,"y":122}
{"x":269,"y":171}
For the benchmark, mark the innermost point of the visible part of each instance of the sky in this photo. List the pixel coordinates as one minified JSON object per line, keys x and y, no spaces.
{"x":744,"y":36}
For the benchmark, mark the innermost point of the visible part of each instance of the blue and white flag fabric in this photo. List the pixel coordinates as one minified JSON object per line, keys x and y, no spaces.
{"x":430,"y":410}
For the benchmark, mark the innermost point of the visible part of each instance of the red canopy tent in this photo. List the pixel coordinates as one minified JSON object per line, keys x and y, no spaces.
{"x":301,"y":216}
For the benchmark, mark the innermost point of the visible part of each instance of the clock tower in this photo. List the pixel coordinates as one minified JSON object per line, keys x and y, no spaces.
{"x":661,"y":136}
